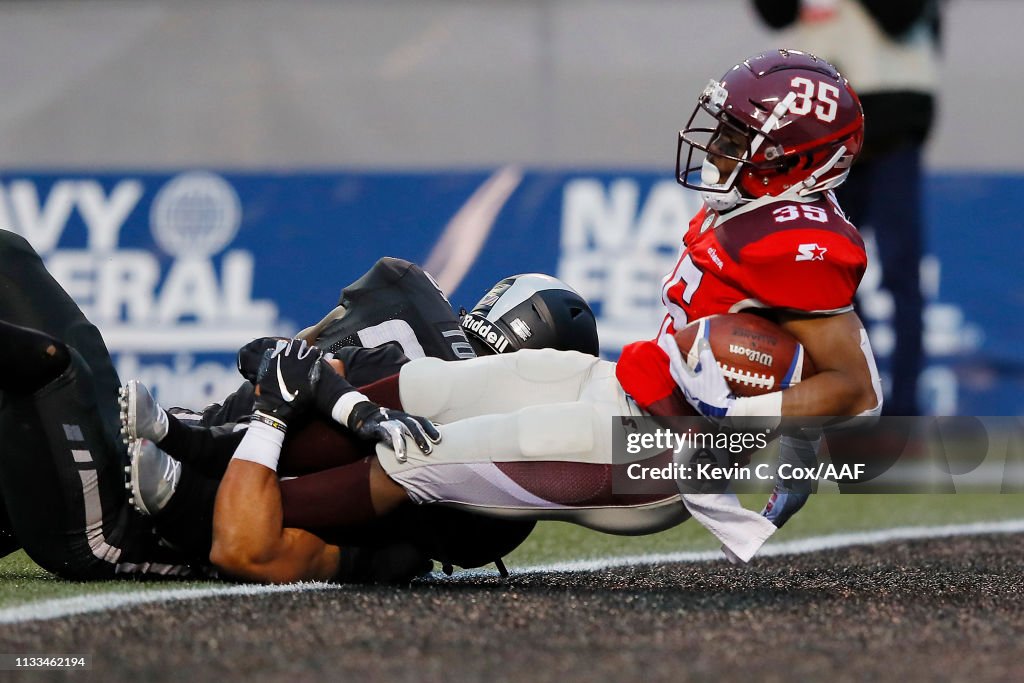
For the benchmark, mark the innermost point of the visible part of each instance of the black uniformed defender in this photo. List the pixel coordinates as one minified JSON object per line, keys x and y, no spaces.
{"x":393,"y":313}
{"x":61,"y":462}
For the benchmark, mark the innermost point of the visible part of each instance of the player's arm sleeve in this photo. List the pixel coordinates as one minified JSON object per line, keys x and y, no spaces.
{"x":368,"y":365}
{"x":643,"y":372}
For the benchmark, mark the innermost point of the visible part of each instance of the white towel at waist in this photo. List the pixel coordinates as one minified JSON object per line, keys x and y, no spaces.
{"x":741,"y":531}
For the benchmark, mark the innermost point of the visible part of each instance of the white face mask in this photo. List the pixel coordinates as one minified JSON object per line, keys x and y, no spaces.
{"x":710,"y":177}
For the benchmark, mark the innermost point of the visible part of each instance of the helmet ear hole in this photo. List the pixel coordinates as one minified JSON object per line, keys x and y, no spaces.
{"x":575,"y":312}
{"x":787,"y":164}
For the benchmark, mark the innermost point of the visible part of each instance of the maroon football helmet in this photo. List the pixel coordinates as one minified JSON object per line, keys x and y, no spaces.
{"x":802,"y":122}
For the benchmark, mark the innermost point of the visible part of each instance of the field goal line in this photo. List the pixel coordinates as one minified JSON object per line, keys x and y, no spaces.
{"x":87,"y":604}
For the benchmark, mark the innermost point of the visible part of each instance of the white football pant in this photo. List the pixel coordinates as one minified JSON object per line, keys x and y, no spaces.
{"x":526,"y":434}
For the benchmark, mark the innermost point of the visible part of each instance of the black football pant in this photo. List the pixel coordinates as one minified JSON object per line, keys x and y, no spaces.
{"x":61,"y":458}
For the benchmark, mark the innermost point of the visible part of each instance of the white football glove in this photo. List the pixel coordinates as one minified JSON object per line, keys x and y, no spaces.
{"x":704,"y":387}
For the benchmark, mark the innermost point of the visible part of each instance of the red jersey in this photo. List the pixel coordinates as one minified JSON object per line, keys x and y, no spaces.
{"x":798,"y":254}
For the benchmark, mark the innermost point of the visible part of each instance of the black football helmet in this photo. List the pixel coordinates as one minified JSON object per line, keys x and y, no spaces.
{"x":531,"y":311}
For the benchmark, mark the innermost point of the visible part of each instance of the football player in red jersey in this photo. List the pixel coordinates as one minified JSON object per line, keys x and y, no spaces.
{"x":784,"y":129}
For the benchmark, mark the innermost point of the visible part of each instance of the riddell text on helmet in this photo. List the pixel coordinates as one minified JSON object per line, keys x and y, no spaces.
{"x":487,"y":332}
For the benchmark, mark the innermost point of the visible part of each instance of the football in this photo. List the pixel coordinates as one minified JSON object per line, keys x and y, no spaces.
{"x":755,"y":355}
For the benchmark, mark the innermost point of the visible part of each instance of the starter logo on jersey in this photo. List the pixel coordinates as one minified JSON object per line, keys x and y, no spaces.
{"x":810,"y":252}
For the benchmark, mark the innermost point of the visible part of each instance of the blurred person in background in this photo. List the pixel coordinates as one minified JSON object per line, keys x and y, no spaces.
{"x":888,"y":49}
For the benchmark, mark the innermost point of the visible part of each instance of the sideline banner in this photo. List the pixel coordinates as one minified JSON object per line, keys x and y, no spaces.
{"x":178,"y":269}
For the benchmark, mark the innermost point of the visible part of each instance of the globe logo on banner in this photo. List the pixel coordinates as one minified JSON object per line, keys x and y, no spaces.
{"x":195,"y":214}
{"x":206,"y":310}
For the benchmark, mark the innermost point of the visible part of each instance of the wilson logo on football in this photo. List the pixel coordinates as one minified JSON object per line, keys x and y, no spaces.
{"x":810,"y":252}
{"x":751,"y":355}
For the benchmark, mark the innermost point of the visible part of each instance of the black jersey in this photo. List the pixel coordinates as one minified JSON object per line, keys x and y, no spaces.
{"x":62,"y":464}
{"x":395,"y":310}
{"x":397,"y":302}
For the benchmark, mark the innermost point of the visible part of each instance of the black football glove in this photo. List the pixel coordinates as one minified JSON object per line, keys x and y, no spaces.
{"x":289,"y":383}
{"x":330,"y":390}
{"x":783,"y":504}
{"x":375,"y":423}
{"x":254,"y":357}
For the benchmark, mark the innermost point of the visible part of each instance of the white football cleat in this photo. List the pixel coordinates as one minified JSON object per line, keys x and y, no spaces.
{"x":141,"y":416}
{"x":152,"y":477}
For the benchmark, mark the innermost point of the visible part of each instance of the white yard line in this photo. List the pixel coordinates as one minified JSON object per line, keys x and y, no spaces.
{"x":101,"y":602}
{"x":801,"y":546}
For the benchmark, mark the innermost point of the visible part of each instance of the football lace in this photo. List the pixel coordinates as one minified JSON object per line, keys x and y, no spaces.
{"x":752,"y":379}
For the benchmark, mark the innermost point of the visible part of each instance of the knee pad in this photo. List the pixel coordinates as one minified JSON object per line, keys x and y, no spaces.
{"x":425,"y":386}
{"x":548,"y":366}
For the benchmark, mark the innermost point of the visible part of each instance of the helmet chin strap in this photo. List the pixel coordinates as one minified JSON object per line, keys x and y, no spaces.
{"x":810,"y":185}
{"x":721,"y":196}
{"x":723,"y":201}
